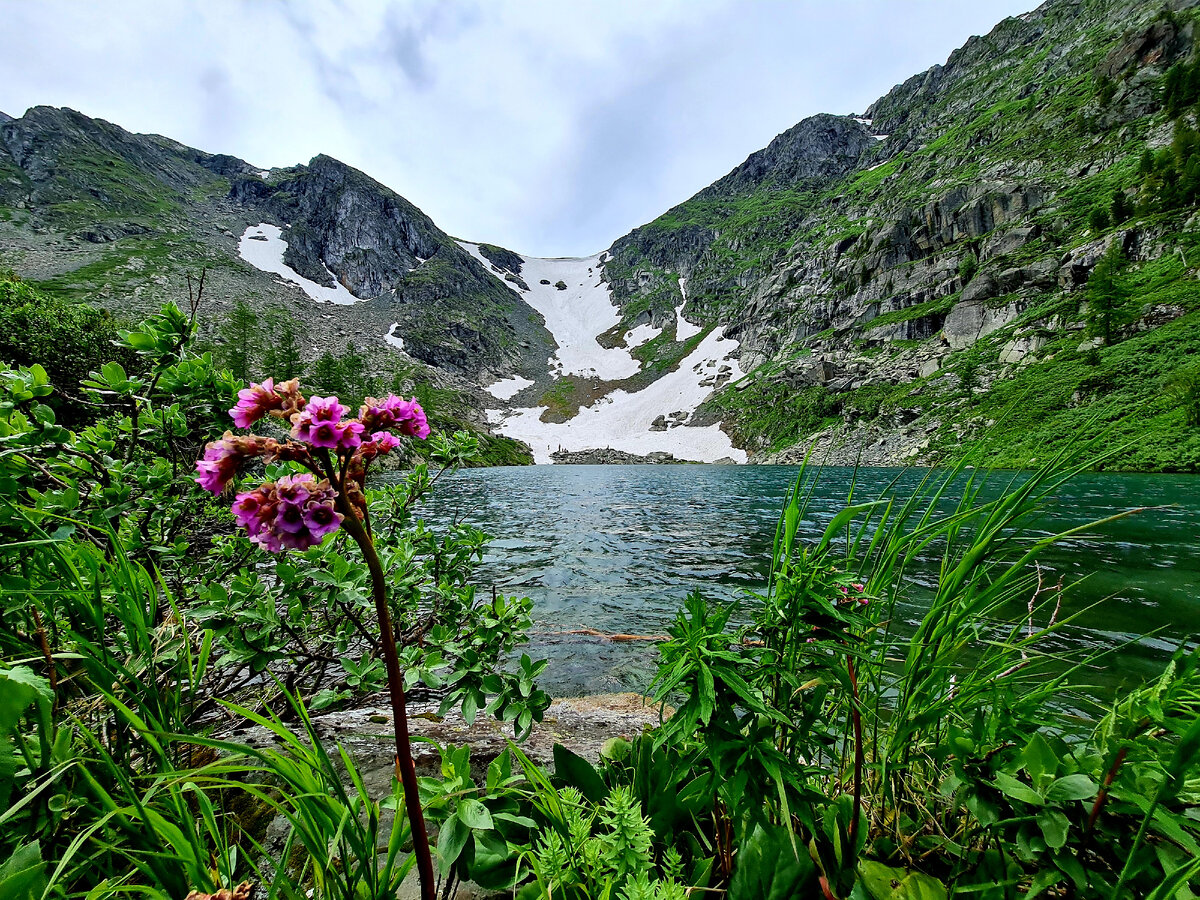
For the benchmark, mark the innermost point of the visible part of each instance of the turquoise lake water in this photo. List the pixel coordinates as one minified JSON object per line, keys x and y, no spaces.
{"x":617,"y":548}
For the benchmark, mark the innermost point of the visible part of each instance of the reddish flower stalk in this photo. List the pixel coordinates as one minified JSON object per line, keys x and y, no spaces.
{"x":856,"y":717}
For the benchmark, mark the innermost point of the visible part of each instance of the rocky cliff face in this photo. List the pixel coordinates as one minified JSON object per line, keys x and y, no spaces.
{"x":905,"y":273}
{"x":71,"y":183}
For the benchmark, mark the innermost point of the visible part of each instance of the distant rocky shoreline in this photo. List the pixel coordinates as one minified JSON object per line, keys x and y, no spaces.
{"x":610,"y":457}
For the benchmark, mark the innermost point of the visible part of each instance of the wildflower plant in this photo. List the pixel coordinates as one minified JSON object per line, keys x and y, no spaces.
{"x":298,"y":511}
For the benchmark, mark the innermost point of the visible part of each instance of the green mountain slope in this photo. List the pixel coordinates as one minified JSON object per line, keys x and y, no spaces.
{"x":922,"y":275}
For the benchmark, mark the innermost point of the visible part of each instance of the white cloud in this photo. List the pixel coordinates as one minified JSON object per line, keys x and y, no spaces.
{"x":546,"y":126}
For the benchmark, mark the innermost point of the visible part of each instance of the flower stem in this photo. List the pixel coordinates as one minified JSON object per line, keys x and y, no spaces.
{"x":856,"y":717}
{"x":404,"y":760}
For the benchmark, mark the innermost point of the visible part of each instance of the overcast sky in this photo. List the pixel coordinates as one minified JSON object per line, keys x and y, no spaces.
{"x":549,"y":126}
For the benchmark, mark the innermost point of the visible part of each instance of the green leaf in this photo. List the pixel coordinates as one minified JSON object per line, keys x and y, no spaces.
{"x":474,"y":814}
{"x":878,"y":879}
{"x":20,"y":687}
{"x":451,"y":840}
{"x":114,"y":374}
{"x":1017,"y":790}
{"x":768,"y":868}
{"x":23,"y":875}
{"x":1054,"y":824}
{"x":1041,"y":881}
{"x":579,"y":773}
{"x":918,"y":886}
{"x":1039,"y":759}
{"x":139,"y":340}
{"x":1071,"y":787}
{"x":886,"y":883}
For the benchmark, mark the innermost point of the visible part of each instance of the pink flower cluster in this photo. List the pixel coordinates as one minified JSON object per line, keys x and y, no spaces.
{"x":320,"y":425}
{"x":406,"y":416}
{"x":223,"y":458}
{"x":861,"y":599}
{"x":295,"y":513}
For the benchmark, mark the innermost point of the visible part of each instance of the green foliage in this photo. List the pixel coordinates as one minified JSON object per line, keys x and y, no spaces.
{"x":772,"y":414}
{"x":128,"y":607}
{"x":967,"y":267}
{"x":1171,"y":177}
{"x":1181,"y":87}
{"x":68,"y":340}
{"x":1183,"y":385}
{"x":282,"y":356}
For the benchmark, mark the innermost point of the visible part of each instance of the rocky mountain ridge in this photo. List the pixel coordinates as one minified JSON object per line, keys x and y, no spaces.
{"x":891,"y":284}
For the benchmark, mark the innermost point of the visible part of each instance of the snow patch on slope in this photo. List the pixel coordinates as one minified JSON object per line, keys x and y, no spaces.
{"x":507,"y":388}
{"x":635,"y":337}
{"x":623,"y":420}
{"x":684,"y":330}
{"x":645,"y":421}
{"x":575,"y":316}
{"x":263,"y":247}
{"x":394,"y":339}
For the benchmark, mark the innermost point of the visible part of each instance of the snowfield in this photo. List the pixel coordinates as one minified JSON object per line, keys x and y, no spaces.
{"x":394,"y":339}
{"x":684,"y":330}
{"x":620,"y":420}
{"x":575,"y":316}
{"x":635,"y":337}
{"x":263,"y":246}
{"x":507,"y":388}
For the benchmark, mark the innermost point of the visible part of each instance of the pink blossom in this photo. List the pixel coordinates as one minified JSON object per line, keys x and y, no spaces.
{"x":296,"y":512}
{"x":395,"y":412}
{"x":223,"y":458}
{"x":385,"y":442}
{"x":351,"y":435}
{"x":320,"y":425}
{"x":255,"y":402}
{"x":321,"y":519}
{"x":248,"y":509}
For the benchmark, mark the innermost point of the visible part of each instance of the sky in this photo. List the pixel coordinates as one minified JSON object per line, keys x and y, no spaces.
{"x":551,"y":127}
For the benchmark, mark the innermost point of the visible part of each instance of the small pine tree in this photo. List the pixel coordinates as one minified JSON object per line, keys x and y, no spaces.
{"x":354,"y":373}
{"x":282,"y":359}
{"x":968,"y":373}
{"x":1106,"y":89}
{"x":1184,"y":387}
{"x":240,"y":340}
{"x":1146,"y":163}
{"x":1121,"y":207}
{"x":326,"y":376}
{"x":1098,"y":218}
{"x":1110,"y":305}
{"x":967,"y":267}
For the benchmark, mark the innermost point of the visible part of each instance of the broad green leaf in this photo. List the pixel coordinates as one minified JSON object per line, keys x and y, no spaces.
{"x":451,"y":840}
{"x":20,"y":687}
{"x":1071,"y":787}
{"x":474,"y":814}
{"x":579,"y":773}
{"x":768,"y":868}
{"x":1054,"y":824}
{"x":23,"y":875}
{"x":1017,"y":790}
{"x":1039,"y":759}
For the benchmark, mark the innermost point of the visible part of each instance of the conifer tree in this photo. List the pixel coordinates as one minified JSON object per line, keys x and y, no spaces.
{"x":1110,"y":305}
